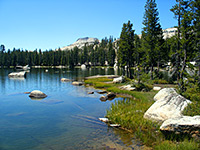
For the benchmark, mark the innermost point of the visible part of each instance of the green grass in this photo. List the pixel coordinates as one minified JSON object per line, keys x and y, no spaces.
{"x":129,"y":114}
{"x":99,"y":82}
{"x":184,"y":145}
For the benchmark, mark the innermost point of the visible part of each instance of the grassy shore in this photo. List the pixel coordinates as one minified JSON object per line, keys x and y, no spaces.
{"x":129,"y":114}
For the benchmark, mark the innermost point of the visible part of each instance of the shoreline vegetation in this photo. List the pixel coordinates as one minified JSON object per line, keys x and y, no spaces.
{"x":129,"y":114}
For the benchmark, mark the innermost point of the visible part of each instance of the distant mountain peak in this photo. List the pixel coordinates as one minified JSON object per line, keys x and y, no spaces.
{"x":81,"y":42}
{"x":85,"y":38}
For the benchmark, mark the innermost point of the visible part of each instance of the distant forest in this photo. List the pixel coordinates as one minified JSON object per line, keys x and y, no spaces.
{"x":95,"y":54}
{"x":143,"y":54}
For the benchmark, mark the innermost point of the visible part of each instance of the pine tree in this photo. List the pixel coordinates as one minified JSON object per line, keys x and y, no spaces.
{"x":183,"y":13}
{"x":196,"y":10}
{"x":126,"y":48}
{"x":111,"y":52}
{"x":152,"y":33}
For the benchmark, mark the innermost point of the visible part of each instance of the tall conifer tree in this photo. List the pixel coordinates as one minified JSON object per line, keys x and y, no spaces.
{"x":152,"y":33}
{"x":183,"y":12}
{"x":126,"y":48}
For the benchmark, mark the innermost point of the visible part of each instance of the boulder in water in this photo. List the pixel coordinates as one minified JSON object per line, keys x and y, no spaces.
{"x":37,"y":94}
{"x":77,"y":83}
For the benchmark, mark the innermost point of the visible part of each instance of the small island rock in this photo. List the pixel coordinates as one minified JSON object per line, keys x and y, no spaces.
{"x":37,"y":94}
{"x":17,"y":74}
{"x":77,"y":83}
{"x":65,"y":80}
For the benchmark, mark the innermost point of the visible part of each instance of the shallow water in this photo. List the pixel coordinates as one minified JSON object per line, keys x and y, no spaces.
{"x":66,"y":119}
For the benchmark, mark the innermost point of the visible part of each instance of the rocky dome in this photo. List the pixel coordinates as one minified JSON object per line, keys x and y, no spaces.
{"x":80,"y":43}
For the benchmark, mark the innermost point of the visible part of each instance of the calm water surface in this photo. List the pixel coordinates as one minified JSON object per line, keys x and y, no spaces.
{"x":66,"y":119}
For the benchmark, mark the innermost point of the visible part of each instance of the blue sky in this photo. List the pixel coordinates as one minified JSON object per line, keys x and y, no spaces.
{"x":49,"y":24}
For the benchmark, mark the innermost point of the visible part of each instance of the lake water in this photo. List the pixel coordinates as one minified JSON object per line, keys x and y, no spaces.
{"x":66,"y":119}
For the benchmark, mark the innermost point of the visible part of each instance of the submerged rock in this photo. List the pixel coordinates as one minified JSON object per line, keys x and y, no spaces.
{"x":50,"y":102}
{"x":27,"y":92}
{"x":168,"y":105}
{"x":37,"y":94}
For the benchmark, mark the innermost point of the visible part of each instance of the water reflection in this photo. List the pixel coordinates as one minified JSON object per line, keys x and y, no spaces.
{"x":66,"y":119}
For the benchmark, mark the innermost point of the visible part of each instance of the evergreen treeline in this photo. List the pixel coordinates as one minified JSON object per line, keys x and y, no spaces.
{"x":95,"y":54}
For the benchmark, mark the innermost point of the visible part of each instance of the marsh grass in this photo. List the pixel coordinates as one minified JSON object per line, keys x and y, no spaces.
{"x":129,"y":114}
{"x":99,"y":82}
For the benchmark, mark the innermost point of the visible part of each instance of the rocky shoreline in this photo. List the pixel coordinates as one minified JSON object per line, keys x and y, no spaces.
{"x":168,"y":108}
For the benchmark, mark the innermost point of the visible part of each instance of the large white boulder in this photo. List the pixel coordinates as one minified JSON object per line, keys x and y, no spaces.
{"x":163,"y":93}
{"x":182,"y":125}
{"x":169,"y":105}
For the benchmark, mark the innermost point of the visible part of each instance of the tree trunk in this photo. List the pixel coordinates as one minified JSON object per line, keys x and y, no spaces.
{"x":138,"y":74}
{"x":158,"y":65}
{"x":152,"y":71}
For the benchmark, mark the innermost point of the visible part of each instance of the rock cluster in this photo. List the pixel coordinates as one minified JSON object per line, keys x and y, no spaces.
{"x":168,"y":110}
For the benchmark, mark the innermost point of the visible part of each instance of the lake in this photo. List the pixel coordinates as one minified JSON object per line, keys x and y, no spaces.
{"x":66,"y":119}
